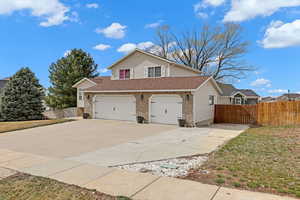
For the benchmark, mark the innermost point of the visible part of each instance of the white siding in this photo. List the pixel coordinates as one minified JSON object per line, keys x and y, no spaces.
{"x":139,"y":62}
{"x":180,"y":71}
{"x":81,"y":86}
{"x":204,"y":111}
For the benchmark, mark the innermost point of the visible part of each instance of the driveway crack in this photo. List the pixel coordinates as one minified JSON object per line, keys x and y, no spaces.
{"x":145,"y":187}
{"x":214,"y":195}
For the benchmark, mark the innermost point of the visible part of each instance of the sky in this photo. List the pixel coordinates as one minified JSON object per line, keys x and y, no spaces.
{"x":35,"y":33}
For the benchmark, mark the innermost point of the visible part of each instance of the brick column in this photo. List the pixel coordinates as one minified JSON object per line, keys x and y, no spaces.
{"x":142,"y":105}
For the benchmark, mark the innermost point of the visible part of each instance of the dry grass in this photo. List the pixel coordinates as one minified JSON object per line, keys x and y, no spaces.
{"x":25,"y":187}
{"x":13,"y":126}
{"x":265,"y":159}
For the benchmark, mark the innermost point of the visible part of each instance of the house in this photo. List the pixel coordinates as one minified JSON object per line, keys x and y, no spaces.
{"x":289,"y":97}
{"x":232,"y":95}
{"x":146,"y":85}
{"x":267,"y":99}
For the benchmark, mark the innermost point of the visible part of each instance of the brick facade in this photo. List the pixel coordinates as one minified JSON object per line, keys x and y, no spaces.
{"x":142,"y":104}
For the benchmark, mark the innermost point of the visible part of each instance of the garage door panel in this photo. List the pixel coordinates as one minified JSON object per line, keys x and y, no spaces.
{"x":166,"y":109}
{"x":115,"y":107}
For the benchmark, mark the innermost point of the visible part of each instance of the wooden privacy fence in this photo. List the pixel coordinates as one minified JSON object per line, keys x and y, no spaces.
{"x":273,"y":113}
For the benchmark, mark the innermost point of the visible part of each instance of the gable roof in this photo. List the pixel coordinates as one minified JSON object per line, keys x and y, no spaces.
{"x":82,"y":80}
{"x":154,"y":56}
{"x":105,"y":84}
{"x":289,"y":95}
{"x":248,"y":92}
{"x":227,"y":89}
{"x":230,"y":90}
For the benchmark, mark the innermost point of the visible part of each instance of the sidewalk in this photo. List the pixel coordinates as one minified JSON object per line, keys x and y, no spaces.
{"x":138,"y":186}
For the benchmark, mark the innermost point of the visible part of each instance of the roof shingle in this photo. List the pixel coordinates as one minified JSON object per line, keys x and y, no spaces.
{"x":164,"y":83}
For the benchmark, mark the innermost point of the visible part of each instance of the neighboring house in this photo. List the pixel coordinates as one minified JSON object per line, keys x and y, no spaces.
{"x":3,"y":82}
{"x":289,"y":97}
{"x":155,"y":88}
{"x":267,"y":99}
{"x":232,"y":95}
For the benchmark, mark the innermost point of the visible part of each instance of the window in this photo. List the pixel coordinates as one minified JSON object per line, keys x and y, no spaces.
{"x":154,"y":72}
{"x":238,"y":100}
{"x":124,"y":74}
{"x":80,"y":95}
{"x":211,"y":100}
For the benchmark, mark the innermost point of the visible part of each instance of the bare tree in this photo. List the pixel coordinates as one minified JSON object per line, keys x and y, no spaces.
{"x":217,"y":52}
{"x":163,"y":41}
{"x":229,"y":62}
{"x":195,"y":49}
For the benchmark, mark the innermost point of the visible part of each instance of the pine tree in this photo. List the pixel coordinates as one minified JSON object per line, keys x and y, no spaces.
{"x":22,"y":97}
{"x":65,"y":73}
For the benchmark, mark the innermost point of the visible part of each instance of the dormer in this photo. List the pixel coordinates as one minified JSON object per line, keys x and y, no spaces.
{"x":140,"y":64}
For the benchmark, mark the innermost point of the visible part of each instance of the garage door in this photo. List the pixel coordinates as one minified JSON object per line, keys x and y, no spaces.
{"x":166,"y":109}
{"x":115,"y":107}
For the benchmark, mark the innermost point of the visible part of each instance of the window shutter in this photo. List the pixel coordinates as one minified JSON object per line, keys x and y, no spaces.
{"x":163,"y":71}
{"x":131,"y":73}
{"x":145,"y":72}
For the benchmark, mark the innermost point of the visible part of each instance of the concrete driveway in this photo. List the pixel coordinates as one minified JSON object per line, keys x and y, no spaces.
{"x":111,"y":143}
{"x":78,"y":137}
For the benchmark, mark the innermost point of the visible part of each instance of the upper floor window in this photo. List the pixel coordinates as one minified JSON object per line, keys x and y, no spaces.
{"x":124,"y":74}
{"x":80,"y":95}
{"x":154,"y":72}
{"x":211,"y":100}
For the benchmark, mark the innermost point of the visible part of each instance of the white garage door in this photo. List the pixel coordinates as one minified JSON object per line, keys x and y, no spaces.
{"x":115,"y":107}
{"x":166,"y":109}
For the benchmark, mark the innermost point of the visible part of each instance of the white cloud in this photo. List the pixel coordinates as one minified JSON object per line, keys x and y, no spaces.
{"x":279,"y":35}
{"x":101,"y":47}
{"x":278,"y":91}
{"x":52,"y":11}
{"x":200,"y":7}
{"x":92,"y":5}
{"x":202,"y":15}
{"x":154,"y":25}
{"x":261,"y":82}
{"x":67,"y":53}
{"x":128,"y":47}
{"x":242,"y":10}
{"x":214,"y":3}
{"x":115,"y":30}
{"x":145,"y":45}
{"x":103,"y":70}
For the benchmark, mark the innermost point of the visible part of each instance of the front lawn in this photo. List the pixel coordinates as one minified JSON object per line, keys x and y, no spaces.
{"x":24,"y":187}
{"x":265,"y":159}
{"x":13,"y":126}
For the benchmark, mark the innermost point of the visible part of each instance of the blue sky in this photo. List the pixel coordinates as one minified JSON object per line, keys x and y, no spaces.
{"x":37,"y":33}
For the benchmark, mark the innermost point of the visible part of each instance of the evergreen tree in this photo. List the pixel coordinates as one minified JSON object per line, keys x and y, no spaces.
{"x":22,"y":97}
{"x":65,"y":73}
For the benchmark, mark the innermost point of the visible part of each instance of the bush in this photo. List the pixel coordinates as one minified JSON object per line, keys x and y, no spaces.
{"x":220,"y":181}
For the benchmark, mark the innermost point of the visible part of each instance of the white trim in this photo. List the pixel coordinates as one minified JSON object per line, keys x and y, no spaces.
{"x":82,"y":80}
{"x":155,"y":56}
{"x":238,"y":92}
